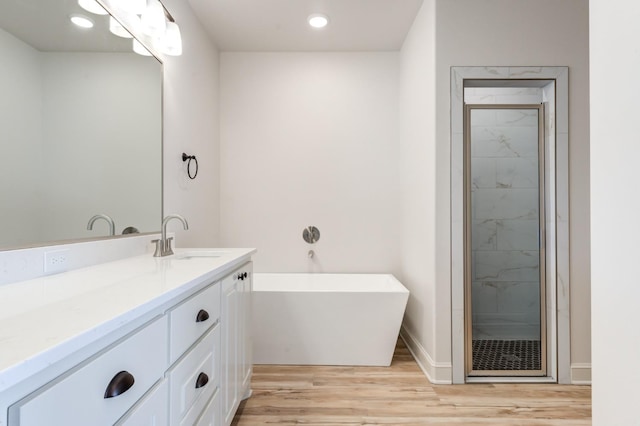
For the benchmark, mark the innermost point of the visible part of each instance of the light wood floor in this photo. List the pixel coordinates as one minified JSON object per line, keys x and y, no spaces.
{"x":401,"y":395}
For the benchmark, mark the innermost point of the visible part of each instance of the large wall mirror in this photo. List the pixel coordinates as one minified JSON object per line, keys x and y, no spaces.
{"x":80,"y":127}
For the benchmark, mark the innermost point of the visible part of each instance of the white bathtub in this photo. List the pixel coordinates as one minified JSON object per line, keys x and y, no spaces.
{"x":326,"y":319}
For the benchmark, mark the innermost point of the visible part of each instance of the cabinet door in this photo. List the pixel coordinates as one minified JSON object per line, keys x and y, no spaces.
{"x":229,"y":361}
{"x":245,"y":335}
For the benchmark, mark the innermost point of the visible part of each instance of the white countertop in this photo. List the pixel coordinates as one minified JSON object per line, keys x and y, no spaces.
{"x":46,"y":319}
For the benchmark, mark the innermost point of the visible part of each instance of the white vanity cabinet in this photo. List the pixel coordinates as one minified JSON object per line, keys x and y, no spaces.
{"x":188,"y":365}
{"x":101,"y":390}
{"x":236,"y":336}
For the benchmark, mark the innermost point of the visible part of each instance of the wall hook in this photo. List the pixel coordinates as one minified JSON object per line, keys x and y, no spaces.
{"x":188,"y":158}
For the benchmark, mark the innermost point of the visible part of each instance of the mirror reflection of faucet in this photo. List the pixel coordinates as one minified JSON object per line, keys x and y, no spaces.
{"x":107,"y":218}
{"x":163,"y":245}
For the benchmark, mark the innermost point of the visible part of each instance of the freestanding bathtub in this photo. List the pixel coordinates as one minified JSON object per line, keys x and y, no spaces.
{"x":326,"y":319}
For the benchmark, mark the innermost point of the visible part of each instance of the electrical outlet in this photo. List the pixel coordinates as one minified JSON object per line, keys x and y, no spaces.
{"x":56,"y":261}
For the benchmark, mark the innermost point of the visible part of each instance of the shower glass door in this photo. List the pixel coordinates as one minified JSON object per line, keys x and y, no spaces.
{"x":504,"y":235}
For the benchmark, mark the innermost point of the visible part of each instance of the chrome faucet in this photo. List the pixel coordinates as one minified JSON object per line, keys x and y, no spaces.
{"x":112,"y":225}
{"x":163,"y":245}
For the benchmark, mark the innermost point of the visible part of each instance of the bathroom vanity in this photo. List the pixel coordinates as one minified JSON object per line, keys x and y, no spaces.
{"x":140,"y":341}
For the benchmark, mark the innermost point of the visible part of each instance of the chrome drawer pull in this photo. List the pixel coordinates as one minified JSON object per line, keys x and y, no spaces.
{"x":202,"y":380}
{"x":120,"y":383}
{"x":202,"y":316}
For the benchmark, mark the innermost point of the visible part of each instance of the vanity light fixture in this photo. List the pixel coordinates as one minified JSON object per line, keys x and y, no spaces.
{"x":153,"y":20}
{"x":140,"y":49}
{"x":92,"y":6}
{"x":158,"y":27}
{"x":81,"y":20}
{"x":318,"y":20}
{"x":134,"y":7}
{"x":116,"y":28}
{"x":171,"y":43}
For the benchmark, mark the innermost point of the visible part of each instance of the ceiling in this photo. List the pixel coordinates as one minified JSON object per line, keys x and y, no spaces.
{"x":45,"y":25}
{"x":281,"y":25}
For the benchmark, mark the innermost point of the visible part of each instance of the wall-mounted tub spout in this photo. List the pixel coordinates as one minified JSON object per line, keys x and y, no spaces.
{"x":112,"y":225}
{"x":310,"y":254}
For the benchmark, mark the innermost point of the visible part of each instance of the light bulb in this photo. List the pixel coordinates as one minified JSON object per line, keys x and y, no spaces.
{"x":172,"y":41}
{"x":153,"y":20}
{"x":134,"y":7}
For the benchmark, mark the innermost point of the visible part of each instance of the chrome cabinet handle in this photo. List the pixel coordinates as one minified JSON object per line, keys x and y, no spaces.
{"x":120,"y":383}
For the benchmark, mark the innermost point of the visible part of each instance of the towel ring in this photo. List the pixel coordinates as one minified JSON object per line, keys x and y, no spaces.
{"x":188,"y":158}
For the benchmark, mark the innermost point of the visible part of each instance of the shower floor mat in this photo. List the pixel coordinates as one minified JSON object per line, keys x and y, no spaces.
{"x":506,"y":355}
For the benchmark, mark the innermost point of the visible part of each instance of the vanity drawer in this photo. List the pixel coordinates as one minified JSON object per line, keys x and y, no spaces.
{"x":126,"y":372}
{"x":194,"y":379}
{"x":201,"y":410}
{"x":211,"y":414}
{"x":192,"y":319}
{"x":152,"y":410}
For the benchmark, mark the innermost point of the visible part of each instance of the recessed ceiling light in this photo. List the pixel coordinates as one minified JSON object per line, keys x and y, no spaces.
{"x":81,"y":20}
{"x":92,"y":6}
{"x":318,"y":20}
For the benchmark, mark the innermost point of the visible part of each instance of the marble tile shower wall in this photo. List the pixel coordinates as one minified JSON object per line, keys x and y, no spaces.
{"x":502,"y":95}
{"x":504,"y":192}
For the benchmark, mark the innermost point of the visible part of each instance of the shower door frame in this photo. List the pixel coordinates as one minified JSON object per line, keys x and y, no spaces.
{"x":554,"y":82}
{"x":468,"y":279}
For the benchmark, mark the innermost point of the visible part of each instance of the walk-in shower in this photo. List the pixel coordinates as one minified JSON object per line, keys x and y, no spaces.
{"x":505,"y":236}
{"x":510,"y":281}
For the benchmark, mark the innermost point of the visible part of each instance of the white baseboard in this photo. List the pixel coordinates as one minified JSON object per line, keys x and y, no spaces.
{"x":581,"y":374}
{"x":437,"y":373}
{"x":441,"y":373}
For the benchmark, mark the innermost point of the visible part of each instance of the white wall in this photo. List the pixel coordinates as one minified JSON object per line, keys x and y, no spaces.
{"x":21,"y":139}
{"x":417,"y":86}
{"x":191,"y":125}
{"x":614,"y":205}
{"x":487,"y":33}
{"x":311,"y":139}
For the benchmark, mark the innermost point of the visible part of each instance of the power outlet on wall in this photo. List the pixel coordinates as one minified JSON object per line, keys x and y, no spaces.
{"x":56,"y":261}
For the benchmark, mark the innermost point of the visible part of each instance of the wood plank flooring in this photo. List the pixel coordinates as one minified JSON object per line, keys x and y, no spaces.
{"x":401,"y":395}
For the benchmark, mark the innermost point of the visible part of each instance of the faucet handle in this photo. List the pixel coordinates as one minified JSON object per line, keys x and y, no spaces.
{"x":159,"y":248}
{"x":168,"y":251}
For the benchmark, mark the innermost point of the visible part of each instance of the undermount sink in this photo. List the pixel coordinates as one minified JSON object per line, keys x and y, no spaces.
{"x":195,"y":254}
